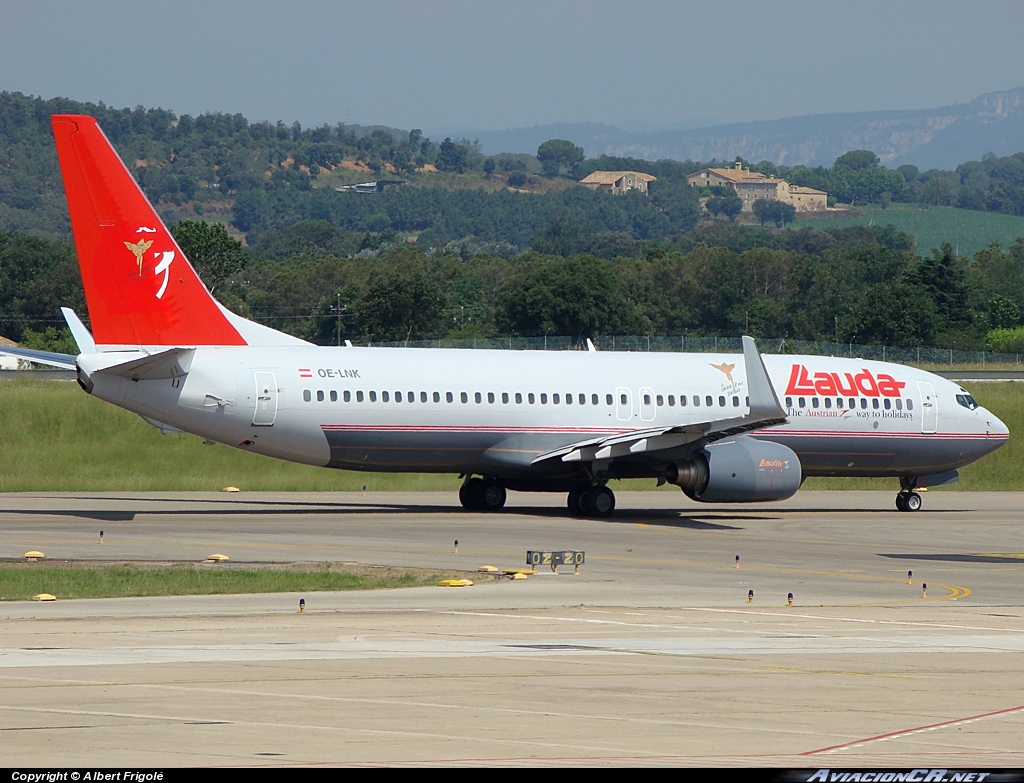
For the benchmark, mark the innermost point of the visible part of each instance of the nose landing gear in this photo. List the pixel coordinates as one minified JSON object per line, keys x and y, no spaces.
{"x":908,"y":501}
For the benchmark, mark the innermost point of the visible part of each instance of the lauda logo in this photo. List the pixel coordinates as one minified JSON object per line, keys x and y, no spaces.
{"x":831,"y":384}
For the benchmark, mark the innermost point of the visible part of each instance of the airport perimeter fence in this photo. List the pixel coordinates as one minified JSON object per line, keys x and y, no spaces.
{"x":687,"y":343}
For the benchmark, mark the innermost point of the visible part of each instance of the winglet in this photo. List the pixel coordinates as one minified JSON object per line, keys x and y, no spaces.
{"x":764,"y":404}
{"x":83,"y":337}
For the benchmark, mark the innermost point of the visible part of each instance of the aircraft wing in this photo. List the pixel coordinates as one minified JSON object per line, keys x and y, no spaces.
{"x":62,"y":360}
{"x":765,"y":411}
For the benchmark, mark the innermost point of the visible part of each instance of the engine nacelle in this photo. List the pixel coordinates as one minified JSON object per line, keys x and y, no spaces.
{"x":742,"y":470}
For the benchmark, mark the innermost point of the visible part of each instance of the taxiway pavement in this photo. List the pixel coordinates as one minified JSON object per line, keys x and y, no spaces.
{"x":652,"y":655}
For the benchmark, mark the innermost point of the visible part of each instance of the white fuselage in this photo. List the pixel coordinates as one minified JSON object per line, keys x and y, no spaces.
{"x":494,"y":412}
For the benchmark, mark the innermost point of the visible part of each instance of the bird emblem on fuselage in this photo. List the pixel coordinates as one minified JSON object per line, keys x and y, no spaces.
{"x":725,"y":368}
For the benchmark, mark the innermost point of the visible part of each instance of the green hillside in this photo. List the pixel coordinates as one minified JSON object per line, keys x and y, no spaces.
{"x":968,"y":231}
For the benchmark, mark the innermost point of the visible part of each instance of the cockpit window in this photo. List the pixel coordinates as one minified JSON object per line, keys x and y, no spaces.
{"x":967,"y":401}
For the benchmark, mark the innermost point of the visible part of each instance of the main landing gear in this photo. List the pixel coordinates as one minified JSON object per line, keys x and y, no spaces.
{"x":478,"y":494}
{"x":595,"y":501}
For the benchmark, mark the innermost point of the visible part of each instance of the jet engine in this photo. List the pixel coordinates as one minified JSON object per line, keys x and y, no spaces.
{"x":742,"y":470}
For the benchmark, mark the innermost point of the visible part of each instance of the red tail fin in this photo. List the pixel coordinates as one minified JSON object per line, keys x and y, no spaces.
{"x":140,"y":288}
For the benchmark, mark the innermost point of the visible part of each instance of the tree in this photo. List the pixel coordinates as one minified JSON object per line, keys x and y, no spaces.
{"x":772,"y":211}
{"x":452,"y":156}
{"x":729,"y":205}
{"x":401,"y":304}
{"x":577,"y":296}
{"x":554,"y":154}
{"x":857,"y":160}
{"x":215,"y":256}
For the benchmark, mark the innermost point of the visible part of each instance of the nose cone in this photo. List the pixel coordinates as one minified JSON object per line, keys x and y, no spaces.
{"x":994,"y":425}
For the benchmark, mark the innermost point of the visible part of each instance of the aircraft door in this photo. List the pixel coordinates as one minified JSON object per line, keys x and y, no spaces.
{"x":266,"y":400}
{"x":646,"y":404}
{"x":623,"y":404}
{"x":929,"y":408}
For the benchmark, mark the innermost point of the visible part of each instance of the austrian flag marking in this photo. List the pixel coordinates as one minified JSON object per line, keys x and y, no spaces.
{"x":305,"y":372}
{"x":832,"y":384}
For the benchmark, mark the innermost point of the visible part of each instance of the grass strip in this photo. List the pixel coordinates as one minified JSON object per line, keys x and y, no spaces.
{"x":19,"y":581}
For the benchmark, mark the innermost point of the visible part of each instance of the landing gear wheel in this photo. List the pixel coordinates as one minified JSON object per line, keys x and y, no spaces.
{"x":600,"y":502}
{"x":573,"y":502}
{"x":492,"y":495}
{"x":471,"y":494}
{"x":908,"y":501}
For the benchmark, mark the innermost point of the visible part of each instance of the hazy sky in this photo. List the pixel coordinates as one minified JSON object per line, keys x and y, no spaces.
{"x":492,"y":65}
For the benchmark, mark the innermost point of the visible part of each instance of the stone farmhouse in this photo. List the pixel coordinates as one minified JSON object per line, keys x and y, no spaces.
{"x":751,"y":186}
{"x":617,"y":182}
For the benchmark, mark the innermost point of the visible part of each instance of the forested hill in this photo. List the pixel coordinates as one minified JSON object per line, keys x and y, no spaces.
{"x":264,"y":176}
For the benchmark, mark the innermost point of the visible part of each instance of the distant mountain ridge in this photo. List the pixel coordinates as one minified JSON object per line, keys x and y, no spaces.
{"x":928,"y":138}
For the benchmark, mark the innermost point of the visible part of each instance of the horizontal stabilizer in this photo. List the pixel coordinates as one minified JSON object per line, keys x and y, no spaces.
{"x":62,"y":360}
{"x":173,"y":363}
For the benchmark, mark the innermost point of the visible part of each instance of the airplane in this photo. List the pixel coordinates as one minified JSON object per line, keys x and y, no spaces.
{"x":712,"y":424}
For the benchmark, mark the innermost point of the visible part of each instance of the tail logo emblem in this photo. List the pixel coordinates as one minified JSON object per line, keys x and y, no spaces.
{"x":139,"y":248}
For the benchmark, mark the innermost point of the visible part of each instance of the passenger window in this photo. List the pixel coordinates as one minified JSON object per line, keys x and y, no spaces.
{"x":307,"y":396}
{"x":478,"y":397}
{"x":708,"y":401}
{"x":359,"y":396}
{"x":671,"y":400}
{"x":888,"y":404}
{"x":863,"y":403}
{"x":828,"y":402}
{"x":519,"y":398}
{"x":384,"y":397}
{"x":814,"y":402}
{"x":595,"y":400}
{"x":583,"y":399}
{"x":660,"y":400}
{"x":839,"y":402}
{"x":721,"y":402}
{"x":464,"y":397}
{"x":504,"y":397}
{"x":449,"y":397}
{"x":530,"y":398}
{"x":398,"y":397}
{"x":608,"y":399}
{"x":647,"y":399}
{"x":568,"y":399}
{"x":682,"y":400}
{"x":373,"y":396}
{"x":802,"y":402}
{"x":696,"y":401}
{"x":490,"y":397}
{"x":735,"y":402}
{"x":348,"y":396}
{"x":874,"y":403}
{"x":789,"y":402}
{"x":910,"y":405}
{"x":320,"y":396}
{"x":411,"y":396}
{"x":543,"y":398}
{"x":623,"y":399}
{"x":423,"y":397}
{"x":899,"y":405}
{"x":437,"y":396}
{"x":334,"y":395}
